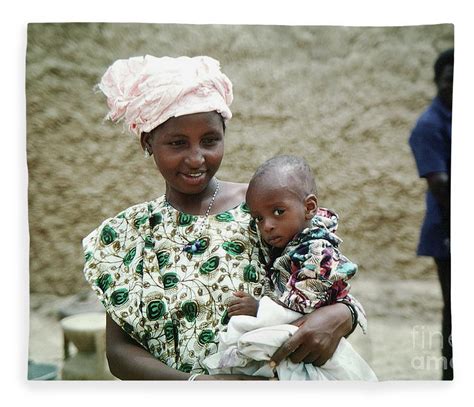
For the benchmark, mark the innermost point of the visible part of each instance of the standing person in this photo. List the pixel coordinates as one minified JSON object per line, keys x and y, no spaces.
{"x":305,"y":271}
{"x":165,"y":269}
{"x":430,"y":142}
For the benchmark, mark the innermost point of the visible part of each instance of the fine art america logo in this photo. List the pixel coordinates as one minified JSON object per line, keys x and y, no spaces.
{"x":427,"y":342}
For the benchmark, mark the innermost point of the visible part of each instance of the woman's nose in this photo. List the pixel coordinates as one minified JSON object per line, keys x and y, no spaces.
{"x":195,"y":158}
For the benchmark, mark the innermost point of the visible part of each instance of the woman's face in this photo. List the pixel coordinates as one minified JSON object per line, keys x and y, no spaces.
{"x":188,"y":150}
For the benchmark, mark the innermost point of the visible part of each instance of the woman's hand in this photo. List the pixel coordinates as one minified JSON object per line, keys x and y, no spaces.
{"x":318,"y":335}
{"x":243,"y":304}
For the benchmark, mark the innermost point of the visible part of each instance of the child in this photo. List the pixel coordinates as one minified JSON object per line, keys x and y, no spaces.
{"x":305,"y":271}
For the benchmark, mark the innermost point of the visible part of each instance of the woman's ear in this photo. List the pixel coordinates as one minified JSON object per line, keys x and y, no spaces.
{"x":143,"y":140}
{"x":311,"y":206}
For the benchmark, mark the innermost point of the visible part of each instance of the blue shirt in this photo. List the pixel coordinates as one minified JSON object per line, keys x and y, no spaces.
{"x":430,"y":142}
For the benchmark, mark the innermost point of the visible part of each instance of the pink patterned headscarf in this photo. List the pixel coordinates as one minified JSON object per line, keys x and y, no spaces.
{"x":146,"y":91}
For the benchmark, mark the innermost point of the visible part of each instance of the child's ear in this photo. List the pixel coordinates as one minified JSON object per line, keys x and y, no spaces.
{"x":311,"y":206}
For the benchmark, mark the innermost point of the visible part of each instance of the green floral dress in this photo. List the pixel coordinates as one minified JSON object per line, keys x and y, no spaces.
{"x":170,"y":300}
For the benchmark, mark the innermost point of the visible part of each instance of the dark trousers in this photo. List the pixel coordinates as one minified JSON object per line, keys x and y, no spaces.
{"x":444,"y":275}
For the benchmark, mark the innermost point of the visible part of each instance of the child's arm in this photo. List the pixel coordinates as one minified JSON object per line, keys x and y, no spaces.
{"x":243,"y":304}
{"x":317,"y":277}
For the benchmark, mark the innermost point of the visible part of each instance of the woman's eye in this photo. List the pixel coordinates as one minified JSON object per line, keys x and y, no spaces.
{"x":209,"y":141}
{"x":177,"y":143}
{"x":278,"y":212}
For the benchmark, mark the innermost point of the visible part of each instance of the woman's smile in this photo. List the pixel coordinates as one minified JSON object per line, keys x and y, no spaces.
{"x":194,"y":178}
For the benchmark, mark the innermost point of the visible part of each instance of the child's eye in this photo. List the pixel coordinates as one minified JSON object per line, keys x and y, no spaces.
{"x":257,"y":219}
{"x":278,"y":212}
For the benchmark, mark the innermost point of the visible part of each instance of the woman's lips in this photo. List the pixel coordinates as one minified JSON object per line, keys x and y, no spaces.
{"x":194,"y":178}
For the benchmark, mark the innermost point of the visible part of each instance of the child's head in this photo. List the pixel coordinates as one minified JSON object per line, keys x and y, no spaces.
{"x":282,"y":198}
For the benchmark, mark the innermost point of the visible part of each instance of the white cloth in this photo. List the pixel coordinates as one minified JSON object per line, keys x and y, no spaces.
{"x":249,"y":343}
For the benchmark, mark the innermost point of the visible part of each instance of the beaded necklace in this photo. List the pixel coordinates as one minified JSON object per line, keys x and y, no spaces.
{"x":195,"y":245}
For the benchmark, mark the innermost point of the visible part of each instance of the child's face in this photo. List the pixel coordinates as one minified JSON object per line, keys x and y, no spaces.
{"x":188,"y":150}
{"x":280,"y":214}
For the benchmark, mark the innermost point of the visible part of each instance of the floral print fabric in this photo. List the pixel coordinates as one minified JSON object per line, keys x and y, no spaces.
{"x":171,"y":301}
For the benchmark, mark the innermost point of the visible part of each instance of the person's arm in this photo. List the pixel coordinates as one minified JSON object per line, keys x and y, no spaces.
{"x":318,"y":335}
{"x":430,"y":147}
{"x":319,"y":274}
{"x":326,"y":320}
{"x":439,"y":186}
{"x":129,"y":361}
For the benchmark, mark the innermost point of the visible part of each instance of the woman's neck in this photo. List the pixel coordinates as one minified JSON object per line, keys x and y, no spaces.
{"x":229,"y":196}
{"x":193,"y":204}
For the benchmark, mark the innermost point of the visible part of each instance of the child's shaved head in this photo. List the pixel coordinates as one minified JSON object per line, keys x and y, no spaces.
{"x":287,"y":171}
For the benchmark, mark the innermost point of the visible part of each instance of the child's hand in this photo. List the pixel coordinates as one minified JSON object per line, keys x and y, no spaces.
{"x":243,"y":304}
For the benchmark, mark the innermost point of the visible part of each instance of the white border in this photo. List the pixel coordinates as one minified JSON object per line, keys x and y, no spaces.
{"x":18,"y":13}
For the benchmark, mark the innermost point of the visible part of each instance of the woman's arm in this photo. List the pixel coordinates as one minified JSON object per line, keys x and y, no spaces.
{"x":129,"y":361}
{"x":318,"y":335}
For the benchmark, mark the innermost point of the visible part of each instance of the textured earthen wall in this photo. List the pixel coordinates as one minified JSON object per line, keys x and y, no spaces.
{"x":345,"y":98}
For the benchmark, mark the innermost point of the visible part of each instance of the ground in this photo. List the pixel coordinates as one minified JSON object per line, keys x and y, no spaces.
{"x":402,"y":342}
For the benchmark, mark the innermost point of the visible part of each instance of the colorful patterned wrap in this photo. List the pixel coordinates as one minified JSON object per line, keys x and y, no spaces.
{"x":311,"y":272}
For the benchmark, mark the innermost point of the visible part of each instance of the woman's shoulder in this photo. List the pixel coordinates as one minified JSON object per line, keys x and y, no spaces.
{"x":233,"y":195}
{"x":141,"y":209}
{"x":117,"y":245}
{"x":131,"y":217}
{"x":242,"y":186}
{"x":235,"y":188}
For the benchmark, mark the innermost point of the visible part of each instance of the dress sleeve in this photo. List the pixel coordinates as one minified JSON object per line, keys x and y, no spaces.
{"x":114,"y":257}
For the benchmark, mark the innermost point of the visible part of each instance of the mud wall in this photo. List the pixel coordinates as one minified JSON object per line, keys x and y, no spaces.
{"x":345,"y":98}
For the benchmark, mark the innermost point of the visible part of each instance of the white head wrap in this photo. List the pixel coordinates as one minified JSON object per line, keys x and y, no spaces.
{"x":146,"y":91}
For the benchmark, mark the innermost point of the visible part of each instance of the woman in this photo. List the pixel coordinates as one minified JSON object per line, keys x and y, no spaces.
{"x":166,"y":270}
